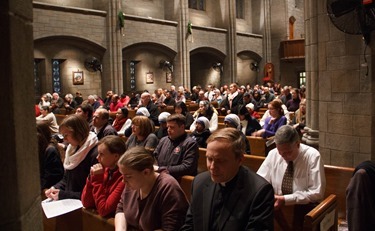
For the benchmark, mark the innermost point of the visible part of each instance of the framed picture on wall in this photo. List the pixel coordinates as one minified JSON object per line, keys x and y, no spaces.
{"x":168,"y":77}
{"x":78,"y":77}
{"x":150,"y":77}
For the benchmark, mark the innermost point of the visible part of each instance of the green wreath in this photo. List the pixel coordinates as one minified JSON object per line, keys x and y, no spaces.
{"x":121,"y":19}
{"x":190,"y":28}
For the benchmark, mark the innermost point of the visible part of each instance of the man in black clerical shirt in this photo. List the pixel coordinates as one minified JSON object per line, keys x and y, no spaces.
{"x":229,"y":196}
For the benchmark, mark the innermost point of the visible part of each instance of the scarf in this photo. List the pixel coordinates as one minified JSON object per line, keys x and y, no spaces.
{"x":74,"y":157}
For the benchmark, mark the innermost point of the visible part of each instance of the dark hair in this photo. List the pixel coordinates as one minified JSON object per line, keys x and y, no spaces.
{"x":44,"y":138}
{"x":114,"y":144}
{"x":183,"y":106}
{"x":125,"y":112}
{"x":45,"y":108}
{"x":178,"y":118}
{"x":87,"y":108}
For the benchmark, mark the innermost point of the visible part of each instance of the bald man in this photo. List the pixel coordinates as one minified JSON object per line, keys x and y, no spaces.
{"x":151,"y":107}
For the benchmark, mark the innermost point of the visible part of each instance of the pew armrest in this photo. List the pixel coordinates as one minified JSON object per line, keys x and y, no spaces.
{"x":185,"y":184}
{"x":314,"y":218}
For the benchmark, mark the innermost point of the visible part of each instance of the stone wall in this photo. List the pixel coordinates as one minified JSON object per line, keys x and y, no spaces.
{"x":341,"y":95}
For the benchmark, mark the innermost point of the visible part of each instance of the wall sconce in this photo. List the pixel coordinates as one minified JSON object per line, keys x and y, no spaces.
{"x":254,"y":66}
{"x":218,"y":67}
{"x":166,"y":65}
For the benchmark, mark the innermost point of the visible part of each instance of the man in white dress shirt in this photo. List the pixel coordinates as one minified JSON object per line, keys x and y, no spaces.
{"x":308,"y":179}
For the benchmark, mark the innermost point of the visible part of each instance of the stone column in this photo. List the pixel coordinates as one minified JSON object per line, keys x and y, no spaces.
{"x":182,"y":72}
{"x":231,"y":63}
{"x":311,"y":137}
{"x":20,"y":183}
{"x":112,"y":79}
{"x":267,"y":50}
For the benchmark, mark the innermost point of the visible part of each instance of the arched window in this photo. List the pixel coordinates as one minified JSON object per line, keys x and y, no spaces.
{"x":240,"y":9}
{"x":197,"y":4}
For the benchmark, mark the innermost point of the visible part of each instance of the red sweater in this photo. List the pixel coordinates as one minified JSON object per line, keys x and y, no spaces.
{"x":102,"y":193}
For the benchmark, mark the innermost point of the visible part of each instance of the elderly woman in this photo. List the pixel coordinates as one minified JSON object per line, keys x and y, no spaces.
{"x":233,"y":121}
{"x":143,"y":133}
{"x":206,"y":110}
{"x":150,"y":201}
{"x":274,"y":121}
{"x":202,"y":131}
{"x":80,"y":155}
{"x":105,"y":184}
{"x":69,"y":104}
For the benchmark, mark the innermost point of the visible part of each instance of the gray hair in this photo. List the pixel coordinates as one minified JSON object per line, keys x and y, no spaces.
{"x":286,"y":135}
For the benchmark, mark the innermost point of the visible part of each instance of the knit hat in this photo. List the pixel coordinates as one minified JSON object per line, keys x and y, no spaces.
{"x":204,"y":121}
{"x":233,"y":119}
{"x":163,"y":117}
{"x":143,"y":111}
{"x":250,"y":105}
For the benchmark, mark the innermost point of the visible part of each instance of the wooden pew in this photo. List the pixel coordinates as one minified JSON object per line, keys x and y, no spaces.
{"x":220,"y":119}
{"x":337,"y":179}
{"x":193,"y":107}
{"x":59,"y":118}
{"x":325,"y":212}
{"x":70,"y":221}
{"x":202,"y":166}
{"x":185,"y":184}
{"x":258,"y":146}
{"x":220,"y":125}
{"x":131,"y":113}
{"x":91,"y":221}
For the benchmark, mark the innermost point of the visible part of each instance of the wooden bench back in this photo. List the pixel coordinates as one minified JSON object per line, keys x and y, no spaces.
{"x":59,"y":118}
{"x":257,"y":145}
{"x":337,"y":179}
{"x":220,"y":119}
{"x":185,"y":184}
{"x":193,"y":107}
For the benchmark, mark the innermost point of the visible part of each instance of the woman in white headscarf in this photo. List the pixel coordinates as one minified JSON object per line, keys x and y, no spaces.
{"x":206,"y":110}
{"x":233,"y":121}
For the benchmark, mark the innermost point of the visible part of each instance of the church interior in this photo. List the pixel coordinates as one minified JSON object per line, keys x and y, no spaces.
{"x":93,"y":46}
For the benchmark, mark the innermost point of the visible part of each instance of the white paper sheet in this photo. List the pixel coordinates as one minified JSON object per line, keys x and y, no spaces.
{"x":57,"y":208}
